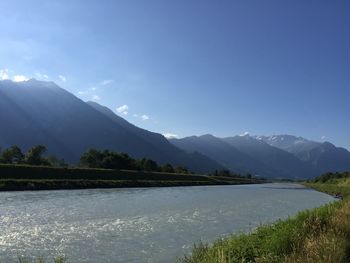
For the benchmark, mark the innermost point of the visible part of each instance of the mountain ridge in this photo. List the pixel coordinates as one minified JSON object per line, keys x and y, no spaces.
{"x":39,"y":112}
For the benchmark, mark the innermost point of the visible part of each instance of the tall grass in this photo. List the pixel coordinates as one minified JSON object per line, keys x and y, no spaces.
{"x":318,"y":235}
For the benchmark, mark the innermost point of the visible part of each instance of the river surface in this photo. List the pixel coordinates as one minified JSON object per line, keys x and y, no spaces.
{"x":140,"y":224}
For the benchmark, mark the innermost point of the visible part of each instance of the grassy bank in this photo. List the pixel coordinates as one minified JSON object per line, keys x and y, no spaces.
{"x":318,"y":235}
{"x":21,"y":177}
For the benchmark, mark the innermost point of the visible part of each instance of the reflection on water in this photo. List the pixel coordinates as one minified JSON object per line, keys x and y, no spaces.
{"x":139,"y":225}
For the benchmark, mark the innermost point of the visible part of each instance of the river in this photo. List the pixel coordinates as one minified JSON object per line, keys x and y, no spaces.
{"x":139,"y":224}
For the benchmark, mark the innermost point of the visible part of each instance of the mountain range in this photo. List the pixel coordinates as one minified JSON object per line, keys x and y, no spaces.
{"x":37,"y":112}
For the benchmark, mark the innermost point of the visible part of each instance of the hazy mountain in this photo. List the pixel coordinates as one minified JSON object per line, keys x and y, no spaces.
{"x":324,"y":157}
{"x":284,"y":164}
{"x":224,"y":153}
{"x":289,"y":143}
{"x":279,"y":156}
{"x":159,"y":142}
{"x":36,"y":112}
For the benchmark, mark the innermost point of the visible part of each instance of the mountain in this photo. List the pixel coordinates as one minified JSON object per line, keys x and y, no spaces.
{"x":278,"y":156}
{"x":323,"y":157}
{"x":224,"y":153}
{"x":159,"y":142}
{"x":289,"y":143}
{"x":283,"y":163}
{"x":37,"y":112}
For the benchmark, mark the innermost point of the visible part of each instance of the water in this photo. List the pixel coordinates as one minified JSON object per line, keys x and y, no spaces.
{"x":139,"y":225}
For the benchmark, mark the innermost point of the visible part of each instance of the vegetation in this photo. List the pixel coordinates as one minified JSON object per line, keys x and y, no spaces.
{"x":97,"y":169}
{"x":91,"y":159}
{"x":58,"y":259}
{"x":111,"y":160}
{"x":34,"y":156}
{"x":318,"y":235}
{"x":25,"y":177}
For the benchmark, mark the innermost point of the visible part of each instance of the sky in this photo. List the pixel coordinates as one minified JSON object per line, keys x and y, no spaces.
{"x":192,"y":67}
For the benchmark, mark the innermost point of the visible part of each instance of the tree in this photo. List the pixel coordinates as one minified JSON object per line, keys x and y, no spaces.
{"x":149,"y":165}
{"x":56,"y":162}
{"x":107,"y":159}
{"x":34,"y":156}
{"x":12,"y":155}
{"x":92,"y":159}
{"x":224,"y":173}
{"x":168,"y":168}
{"x":181,"y":170}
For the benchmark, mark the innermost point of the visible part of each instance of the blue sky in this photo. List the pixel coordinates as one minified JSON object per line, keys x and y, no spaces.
{"x":192,"y":67}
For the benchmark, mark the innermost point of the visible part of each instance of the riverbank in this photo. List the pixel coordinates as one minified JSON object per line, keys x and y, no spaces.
{"x":317,"y":235}
{"x":21,"y":177}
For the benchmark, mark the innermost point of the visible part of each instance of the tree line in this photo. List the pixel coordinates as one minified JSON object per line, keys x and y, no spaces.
{"x":93,"y":158}
{"x":112,"y":160}
{"x":34,"y":156}
{"x":330,"y":176}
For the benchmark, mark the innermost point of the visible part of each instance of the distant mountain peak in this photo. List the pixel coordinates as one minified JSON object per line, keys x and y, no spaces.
{"x":207,"y":136}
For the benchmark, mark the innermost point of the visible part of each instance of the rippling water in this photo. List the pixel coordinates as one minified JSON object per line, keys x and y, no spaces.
{"x":139,"y":225}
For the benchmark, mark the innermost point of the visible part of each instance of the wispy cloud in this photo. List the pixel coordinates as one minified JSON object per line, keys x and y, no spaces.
{"x":20,"y":78}
{"x":106,"y":82}
{"x":123,"y":109}
{"x":96,"y":97}
{"x":63,"y":78}
{"x":41,"y":76}
{"x":4,"y":74}
{"x":94,"y":88}
{"x":144,"y":117}
{"x":323,"y":137}
{"x":244,"y":134}
{"x":170,"y":135}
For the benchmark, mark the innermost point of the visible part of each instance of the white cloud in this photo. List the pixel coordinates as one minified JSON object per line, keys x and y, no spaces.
{"x":63,"y":78}
{"x":123,"y":109}
{"x":144,"y":117}
{"x":41,"y":76}
{"x":20,"y":78}
{"x":244,"y":134}
{"x":106,"y":82}
{"x":80,"y":92}
{"x":170,"y":135}
{"x":96,"y":97}
{"x":323,"y":137}
{"x":4,"y":74}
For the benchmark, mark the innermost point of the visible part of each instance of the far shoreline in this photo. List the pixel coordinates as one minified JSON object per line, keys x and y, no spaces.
{"x":35,"y":178}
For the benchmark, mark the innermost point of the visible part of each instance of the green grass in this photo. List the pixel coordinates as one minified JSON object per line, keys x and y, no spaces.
{"x":318,"y":235}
